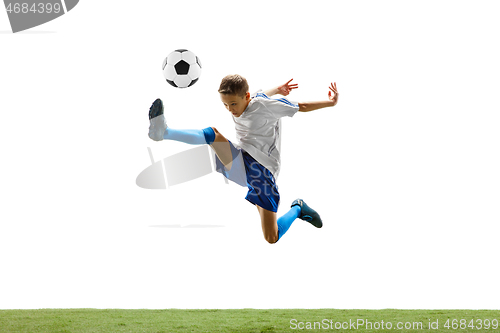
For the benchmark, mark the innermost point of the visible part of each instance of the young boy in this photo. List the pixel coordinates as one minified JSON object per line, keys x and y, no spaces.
{"x":257,"y":155}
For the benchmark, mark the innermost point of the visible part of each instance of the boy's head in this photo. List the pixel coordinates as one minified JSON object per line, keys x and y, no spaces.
{"x":234,"y":94}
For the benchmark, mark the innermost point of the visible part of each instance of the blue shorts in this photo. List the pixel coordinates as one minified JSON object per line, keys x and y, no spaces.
{"x":245,"y":170}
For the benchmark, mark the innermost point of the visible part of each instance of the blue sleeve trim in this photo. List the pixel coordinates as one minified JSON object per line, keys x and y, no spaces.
{"x":282,"y":100}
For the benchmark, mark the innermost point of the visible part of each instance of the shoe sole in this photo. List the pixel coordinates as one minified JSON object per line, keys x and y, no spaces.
{"x":156,"y":109}
{"x":157,"y":121}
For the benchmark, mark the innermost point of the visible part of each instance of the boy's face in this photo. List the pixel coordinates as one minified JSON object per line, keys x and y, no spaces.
{"x":235,"y":104}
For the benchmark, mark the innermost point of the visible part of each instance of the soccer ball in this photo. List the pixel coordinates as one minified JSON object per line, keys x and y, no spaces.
{"x":181,"y":68}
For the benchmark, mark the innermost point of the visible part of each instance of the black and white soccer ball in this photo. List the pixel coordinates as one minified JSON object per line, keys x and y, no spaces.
{"x":181,"y":68}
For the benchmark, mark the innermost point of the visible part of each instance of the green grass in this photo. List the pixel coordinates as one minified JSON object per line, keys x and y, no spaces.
{"x":246,"y":320}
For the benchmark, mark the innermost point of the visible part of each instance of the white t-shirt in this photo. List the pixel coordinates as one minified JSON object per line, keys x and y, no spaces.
{"x":258,"y":129}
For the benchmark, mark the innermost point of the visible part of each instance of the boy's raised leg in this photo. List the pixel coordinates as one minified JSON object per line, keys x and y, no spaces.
{"x":158,"y":131}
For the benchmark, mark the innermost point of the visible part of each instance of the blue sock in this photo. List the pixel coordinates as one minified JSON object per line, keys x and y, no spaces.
{"x":190,"y":136}
{"x":286,"y":220}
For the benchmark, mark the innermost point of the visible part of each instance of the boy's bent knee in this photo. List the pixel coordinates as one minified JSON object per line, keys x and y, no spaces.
{"x":271,"y":239}
{"x":218,"y":136}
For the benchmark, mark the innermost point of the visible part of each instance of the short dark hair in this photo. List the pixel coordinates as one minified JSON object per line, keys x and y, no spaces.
{"x":234,"y":85}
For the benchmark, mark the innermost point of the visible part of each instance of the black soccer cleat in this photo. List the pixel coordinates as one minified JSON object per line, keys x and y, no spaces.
{"x":308,"y":214}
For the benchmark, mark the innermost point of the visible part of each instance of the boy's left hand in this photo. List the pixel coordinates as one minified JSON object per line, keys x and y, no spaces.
{"x":285,"y":89}
{"x":335,"y":96}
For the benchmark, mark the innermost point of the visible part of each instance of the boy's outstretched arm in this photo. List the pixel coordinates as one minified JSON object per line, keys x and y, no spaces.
{"x":332,"y":101}
{"x":283,"y":89}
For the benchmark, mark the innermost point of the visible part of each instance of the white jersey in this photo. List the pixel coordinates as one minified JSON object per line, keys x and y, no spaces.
{"x":258,"y":129}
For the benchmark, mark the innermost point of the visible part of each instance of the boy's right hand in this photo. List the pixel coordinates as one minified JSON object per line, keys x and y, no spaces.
{"x":335,"y":97}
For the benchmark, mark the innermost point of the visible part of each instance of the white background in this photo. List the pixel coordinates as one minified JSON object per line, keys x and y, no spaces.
{"x":404,"y":170}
